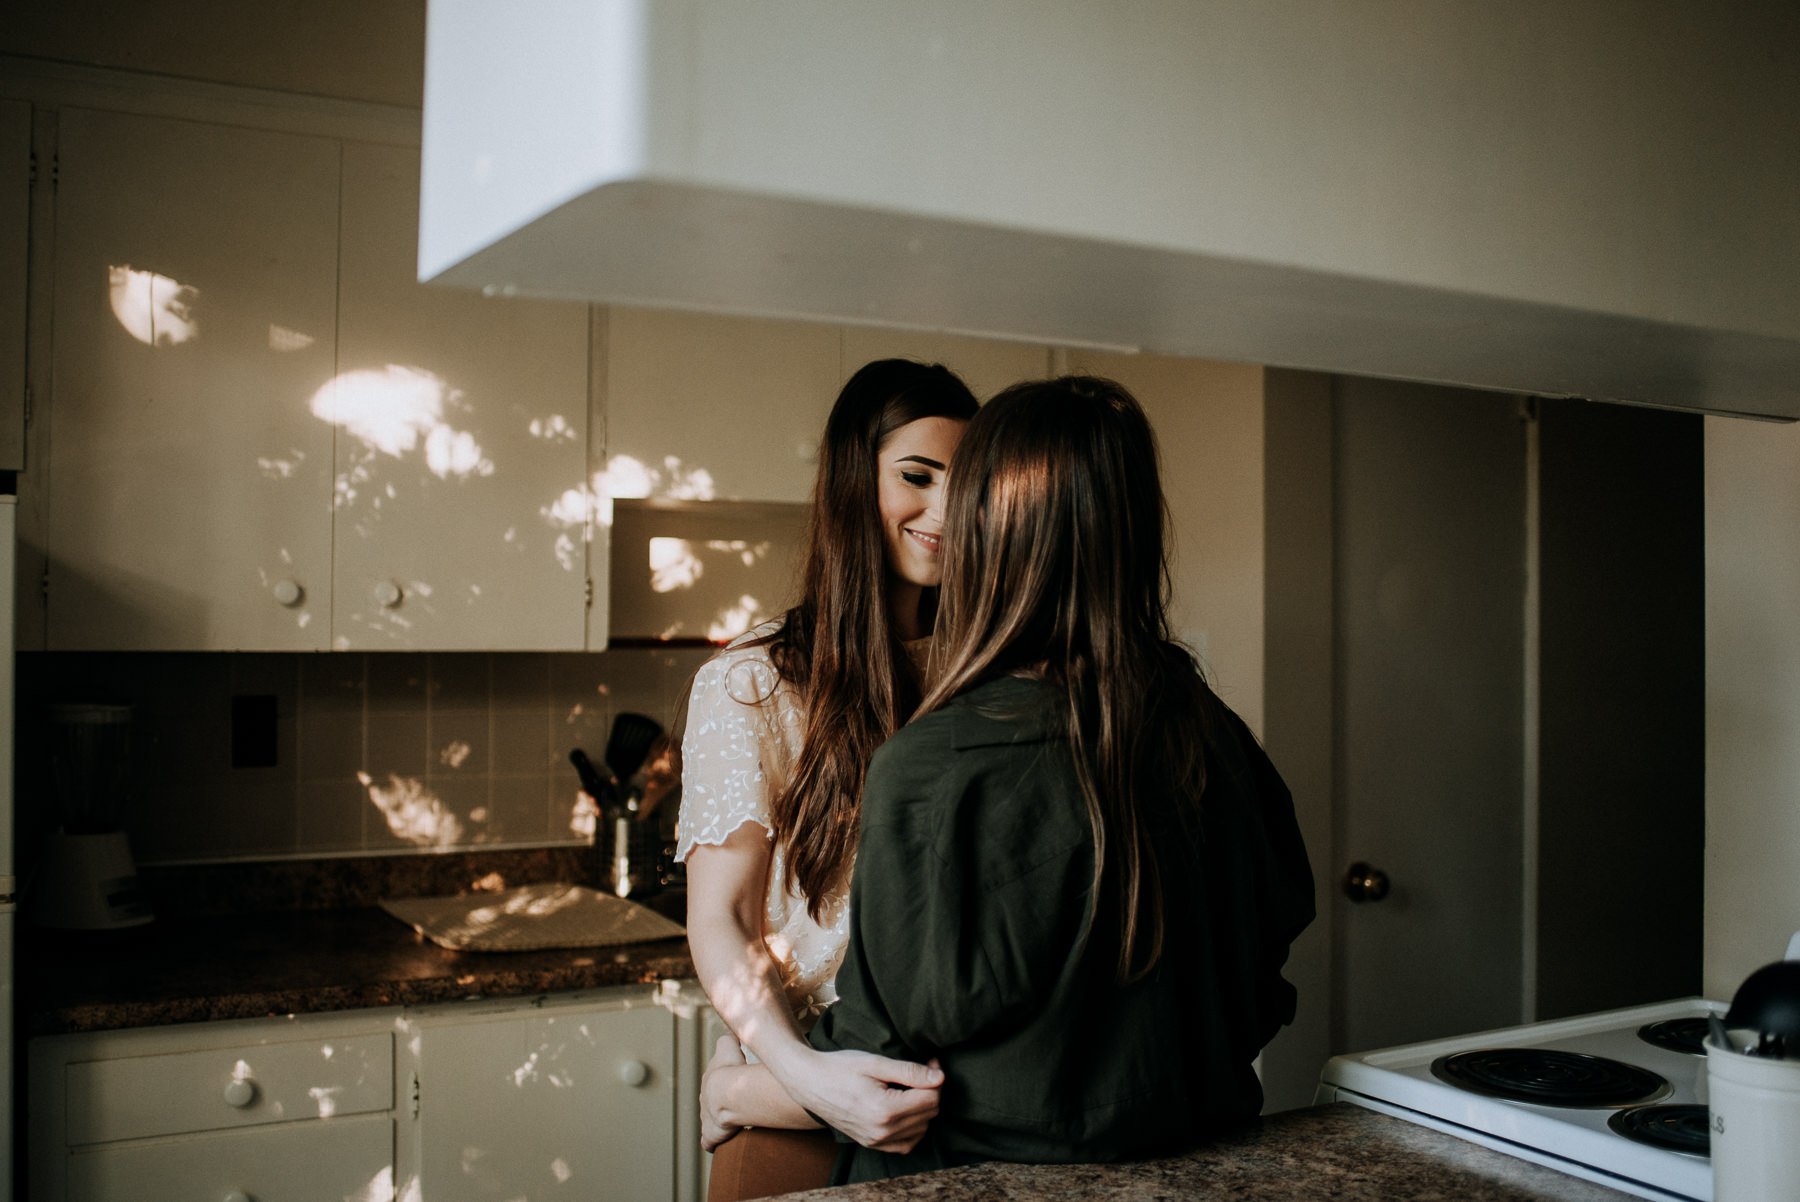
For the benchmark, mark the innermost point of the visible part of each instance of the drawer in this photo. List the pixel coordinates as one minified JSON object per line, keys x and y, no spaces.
{"x":217,"y":1089}
{"x":352,"y":1159}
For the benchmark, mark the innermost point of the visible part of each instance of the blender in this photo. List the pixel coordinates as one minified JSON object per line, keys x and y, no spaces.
{"x":86,"y":879}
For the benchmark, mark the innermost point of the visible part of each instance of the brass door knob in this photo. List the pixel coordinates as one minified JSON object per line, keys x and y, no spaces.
{"x":1365,"y":883}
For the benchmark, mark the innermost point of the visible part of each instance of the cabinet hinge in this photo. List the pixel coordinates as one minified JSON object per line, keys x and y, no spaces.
{"x":44,"y":582}
{"x":587,"y":593}
{"x":28,"y":404}
{"x":415,"y":1095}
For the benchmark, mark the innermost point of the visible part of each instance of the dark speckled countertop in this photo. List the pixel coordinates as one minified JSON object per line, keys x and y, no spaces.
{"x":1340,"y":1152}
{"x":252,"y":941}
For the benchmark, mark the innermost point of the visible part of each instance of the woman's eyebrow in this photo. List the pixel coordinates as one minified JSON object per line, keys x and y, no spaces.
{"x":920,"y":459}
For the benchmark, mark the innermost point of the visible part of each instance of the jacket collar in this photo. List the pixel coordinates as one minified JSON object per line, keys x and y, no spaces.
{"x":1011,"y":709}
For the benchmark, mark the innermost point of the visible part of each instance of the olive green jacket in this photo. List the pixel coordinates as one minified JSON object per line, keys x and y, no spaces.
{"x":969,"y":919}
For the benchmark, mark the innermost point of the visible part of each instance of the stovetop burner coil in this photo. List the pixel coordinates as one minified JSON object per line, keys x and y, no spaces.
{"x":1687,"y":1035}
{"x":1682,"y":1128}
{"x":1550,"y":1077}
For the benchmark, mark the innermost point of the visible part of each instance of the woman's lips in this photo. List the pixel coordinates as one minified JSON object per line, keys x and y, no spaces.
{"x":929,"y":541}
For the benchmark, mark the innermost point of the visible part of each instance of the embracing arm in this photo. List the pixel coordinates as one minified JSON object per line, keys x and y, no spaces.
{"x":850,"y":1091}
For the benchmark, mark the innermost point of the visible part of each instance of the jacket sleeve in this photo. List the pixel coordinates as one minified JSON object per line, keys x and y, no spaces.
{"x":963,"y":909}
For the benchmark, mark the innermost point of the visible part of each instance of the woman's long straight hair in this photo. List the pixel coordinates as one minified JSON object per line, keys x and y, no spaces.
{"x":1055,"y":566}
{"x":838,"y":646}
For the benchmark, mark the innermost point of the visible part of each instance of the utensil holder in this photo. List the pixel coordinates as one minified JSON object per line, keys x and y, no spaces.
{"x":1753,"y":1105}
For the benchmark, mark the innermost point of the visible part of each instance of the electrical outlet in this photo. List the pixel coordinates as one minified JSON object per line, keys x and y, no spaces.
{"x":253,"y":730}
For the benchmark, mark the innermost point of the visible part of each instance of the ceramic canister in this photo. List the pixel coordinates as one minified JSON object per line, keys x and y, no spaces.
{"x":1754,"y":1107}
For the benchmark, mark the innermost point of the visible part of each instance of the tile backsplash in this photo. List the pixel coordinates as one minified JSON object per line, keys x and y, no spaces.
{"x":374,"y":753}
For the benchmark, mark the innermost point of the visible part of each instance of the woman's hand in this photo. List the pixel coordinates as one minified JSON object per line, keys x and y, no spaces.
{"x":880,"y":1103}
{"x":716,"y":1125}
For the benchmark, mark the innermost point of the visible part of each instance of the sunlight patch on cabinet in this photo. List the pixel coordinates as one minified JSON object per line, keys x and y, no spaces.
{"x":152,"y":308}
{"x":392,"y":410}
{"x":628,"y":478}
{"x":284,"y":340}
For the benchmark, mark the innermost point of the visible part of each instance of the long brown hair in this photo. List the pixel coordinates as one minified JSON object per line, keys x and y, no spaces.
{"x":838,"y":645}
{"x":1055,"y":565}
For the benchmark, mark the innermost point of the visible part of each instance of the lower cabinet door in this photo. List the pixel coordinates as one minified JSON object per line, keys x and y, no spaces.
{"x":564,"y":1103}
{"x":351,"y":1159}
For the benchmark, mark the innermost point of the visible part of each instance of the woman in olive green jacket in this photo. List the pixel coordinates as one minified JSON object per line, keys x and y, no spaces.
{"x":1077,"y":875}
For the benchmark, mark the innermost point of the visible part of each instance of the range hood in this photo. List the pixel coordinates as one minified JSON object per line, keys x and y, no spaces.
{"x":1580,"y":200}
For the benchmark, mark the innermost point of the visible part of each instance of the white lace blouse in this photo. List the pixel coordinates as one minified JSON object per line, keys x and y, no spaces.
{"x":744,"y":727}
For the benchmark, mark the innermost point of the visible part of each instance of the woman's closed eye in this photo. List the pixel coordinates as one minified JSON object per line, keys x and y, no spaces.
{"x":917,"y":479}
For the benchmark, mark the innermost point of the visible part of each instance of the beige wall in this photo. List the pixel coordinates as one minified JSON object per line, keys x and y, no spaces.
{"x":1209,"y":423}
{"x":1752,"y":697}
{"x":371,"y":50}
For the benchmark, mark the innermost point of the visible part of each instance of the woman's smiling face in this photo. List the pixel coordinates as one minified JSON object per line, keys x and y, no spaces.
{"x":911,"y":467}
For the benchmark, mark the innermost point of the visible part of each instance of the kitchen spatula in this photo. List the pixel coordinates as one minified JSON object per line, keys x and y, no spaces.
{"x":630,"y":742}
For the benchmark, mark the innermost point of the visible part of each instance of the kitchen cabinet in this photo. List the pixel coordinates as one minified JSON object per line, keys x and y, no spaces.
{"x":189,"y":485}
{"x":579,"y":1095}
{"x":702,"y":407}
{"x":267,"y":435}
{"x":270,"y":1109}
{"x":15,"y":247}
{"x":560,"y":1097}
{"x":461,"y":428}
{"x":986,"y":365}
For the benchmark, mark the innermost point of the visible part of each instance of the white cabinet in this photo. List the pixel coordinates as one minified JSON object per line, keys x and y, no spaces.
{"x":563,"y":1097}
{"x":195,"y":309}
{"x":704,"y":407}
{"x":267,"y":435}
{"x":266,"y":1109}
{"x":462,"y":444}
{"x":986,"y":365}
{"x":577,"y":1096}
{"x":701,"y":407}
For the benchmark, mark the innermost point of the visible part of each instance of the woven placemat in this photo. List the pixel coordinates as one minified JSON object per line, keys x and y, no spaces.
{"x":531,"y":918}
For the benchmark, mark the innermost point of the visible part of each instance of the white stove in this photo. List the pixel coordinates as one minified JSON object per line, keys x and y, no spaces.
{"x":1455,"y":1086}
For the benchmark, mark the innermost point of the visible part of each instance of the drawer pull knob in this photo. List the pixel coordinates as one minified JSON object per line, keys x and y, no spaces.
{"x":238,"y":1195}
{"x":634,"y":1072}
{"x":288,"y":592}
{"x":240,"y":1093}
{"x":388,"y":594}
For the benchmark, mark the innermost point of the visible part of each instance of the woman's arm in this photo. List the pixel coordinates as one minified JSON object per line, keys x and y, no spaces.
{"x":850,"y":1091}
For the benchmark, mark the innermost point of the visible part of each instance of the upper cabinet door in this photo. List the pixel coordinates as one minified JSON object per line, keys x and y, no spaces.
{"x":195,"y":286}
{"x":462,"y":512}
{"x":701,"y":407}
{"x":986,"y":365}
{"x":15,"y":230}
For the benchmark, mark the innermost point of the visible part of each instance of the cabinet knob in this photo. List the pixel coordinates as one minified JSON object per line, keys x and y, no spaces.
{"x":240,"y":1093}
{"x":288,"y":592}
{"x":634,"y":1072}
{"x":238,"y":1195}
{"x":388,"y":594}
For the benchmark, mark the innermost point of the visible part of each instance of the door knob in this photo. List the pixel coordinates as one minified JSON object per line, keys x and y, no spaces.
{"x":1365,"y":883}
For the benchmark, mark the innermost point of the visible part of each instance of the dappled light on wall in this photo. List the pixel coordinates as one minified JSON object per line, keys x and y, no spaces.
{"x":413,"y":812}
{"x":154,"y":309}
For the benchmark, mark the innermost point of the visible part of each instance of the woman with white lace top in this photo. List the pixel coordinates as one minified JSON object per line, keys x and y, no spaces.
{"x":780,"y":727}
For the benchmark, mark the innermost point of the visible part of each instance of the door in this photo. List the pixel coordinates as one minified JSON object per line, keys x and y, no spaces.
{"x":461,"y":422}
{"x":194,"y":317}
{"x":570,"y":1101}
{"x":1429,"y":628}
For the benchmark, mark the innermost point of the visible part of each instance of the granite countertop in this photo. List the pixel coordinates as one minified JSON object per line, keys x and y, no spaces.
{"x":1341,"y":1152}
{"x":199,"y":962}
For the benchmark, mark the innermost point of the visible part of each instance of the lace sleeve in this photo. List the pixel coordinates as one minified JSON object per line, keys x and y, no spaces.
{"x":727,"y":748}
